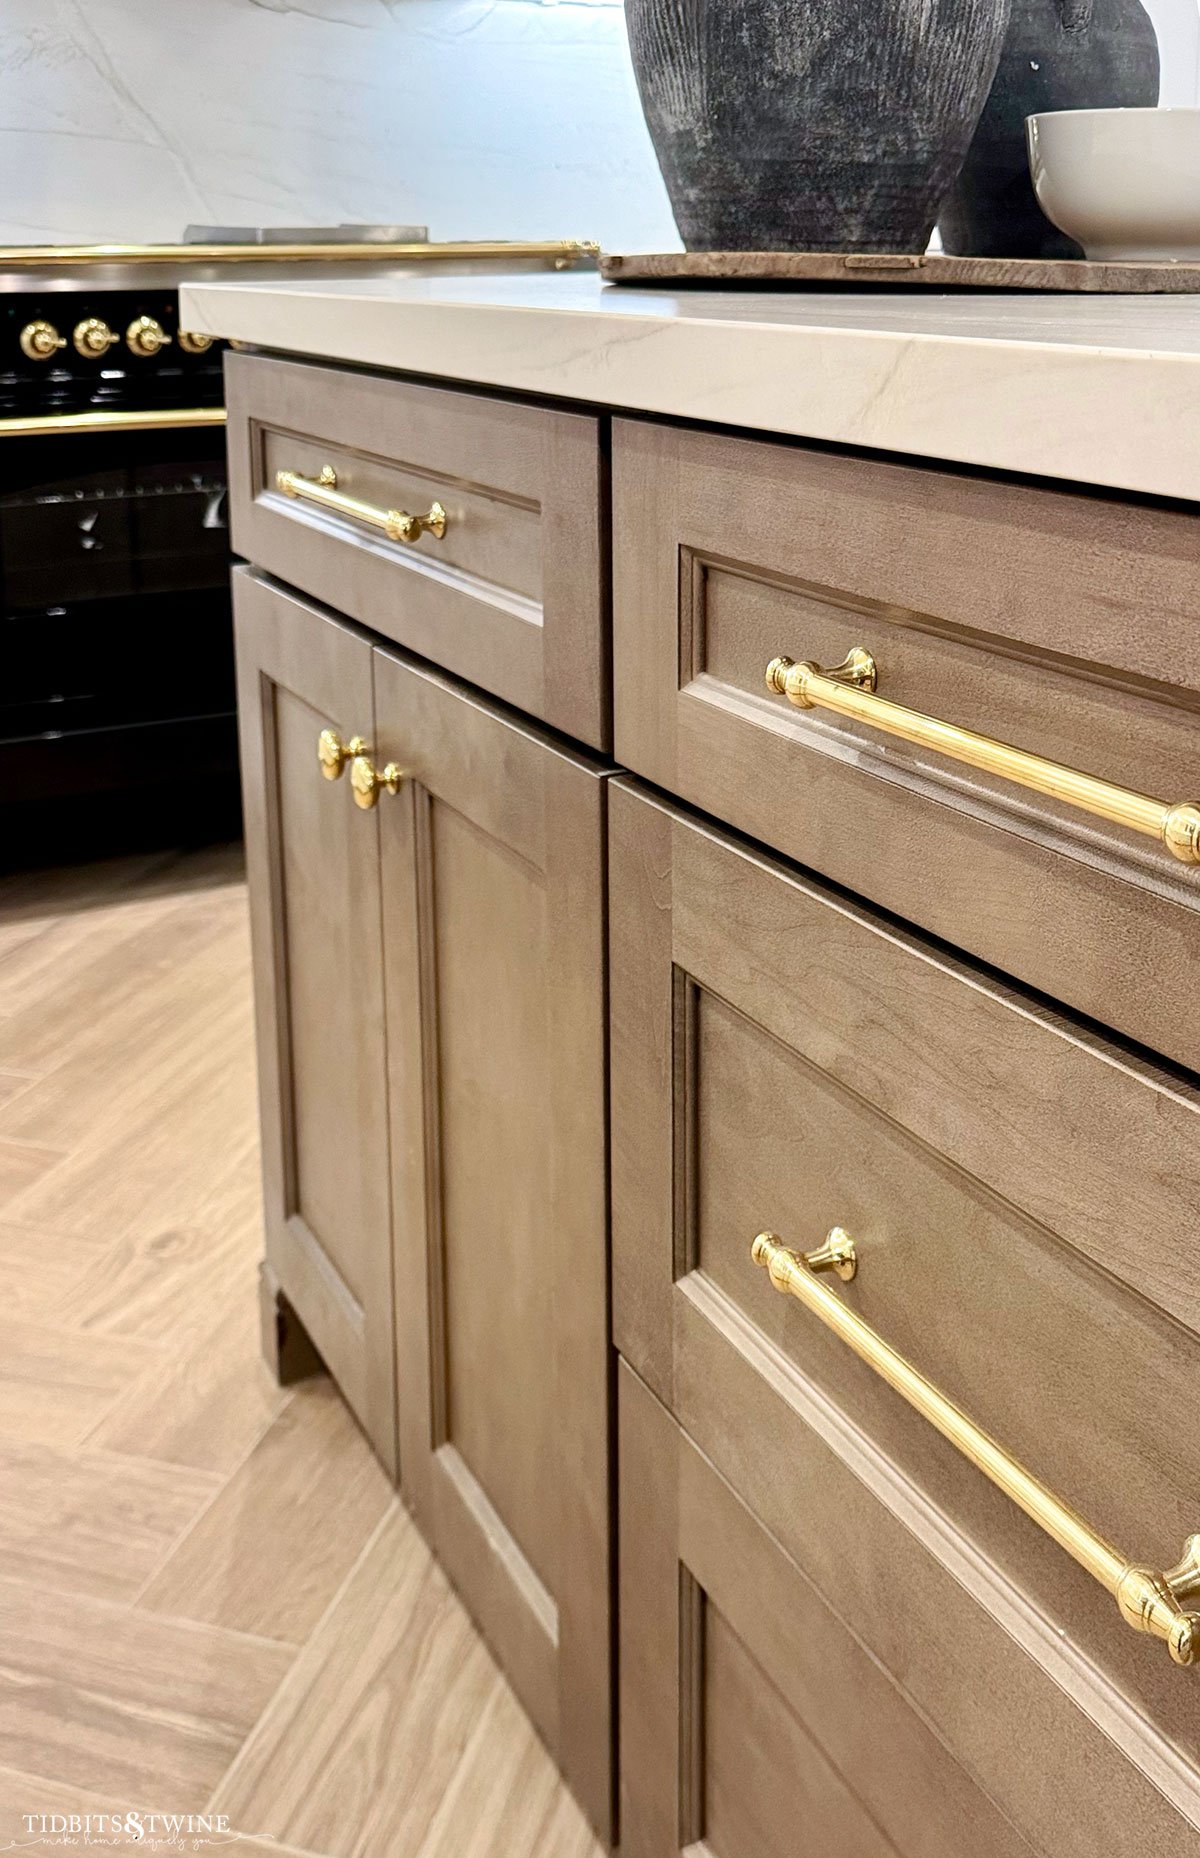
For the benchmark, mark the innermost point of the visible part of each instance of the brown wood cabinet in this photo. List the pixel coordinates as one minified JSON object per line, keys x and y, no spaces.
{"x":913,"y":1001}
{"x":785,"y":1060}
{"x":1060,"y":622}
{"x":431,"y":994}
{"x":757,"y":1722}
{"x":492,"y":861}
{"x":318,"y":990}
{"x":511,"y":591}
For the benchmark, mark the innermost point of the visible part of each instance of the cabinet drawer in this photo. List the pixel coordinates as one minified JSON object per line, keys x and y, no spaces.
{"x":1060,"y":623}
{"x":510,"y":596}
{"x":835,"y":1691}
{"x":1019,"y":1193}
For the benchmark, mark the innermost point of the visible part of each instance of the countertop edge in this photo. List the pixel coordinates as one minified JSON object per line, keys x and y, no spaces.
{"x":1114,"y":418}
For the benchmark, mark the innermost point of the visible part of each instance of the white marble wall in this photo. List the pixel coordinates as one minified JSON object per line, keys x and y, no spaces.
{"x":1178,"y":25}
{"x":125,"y":119}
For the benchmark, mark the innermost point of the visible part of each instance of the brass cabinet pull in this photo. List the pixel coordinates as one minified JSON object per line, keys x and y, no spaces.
{"x":849,"y":688}
{"x":1148,"y":1601}
{"x":397,"y":525}
{"x":333,"y":754}
{"x":367,"y":780}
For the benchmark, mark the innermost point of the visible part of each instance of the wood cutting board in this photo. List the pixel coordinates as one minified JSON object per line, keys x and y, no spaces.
{"x":900,"y":270}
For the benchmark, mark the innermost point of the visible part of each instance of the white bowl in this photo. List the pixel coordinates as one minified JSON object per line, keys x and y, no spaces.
{"x":1124,"y":183}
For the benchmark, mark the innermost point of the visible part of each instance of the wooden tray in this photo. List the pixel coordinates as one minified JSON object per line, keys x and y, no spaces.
{"x":898,"y":270}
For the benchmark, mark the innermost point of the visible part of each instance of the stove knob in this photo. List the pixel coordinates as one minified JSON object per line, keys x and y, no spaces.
{"x":39,"y":340}
{"x":146,"y":336}
{"x":193,"y":343}
{"x":94,"y":338}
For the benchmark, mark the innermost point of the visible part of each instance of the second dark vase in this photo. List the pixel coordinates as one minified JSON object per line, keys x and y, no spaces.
{"x":820,"y":125}
{"x":1058,"y":55}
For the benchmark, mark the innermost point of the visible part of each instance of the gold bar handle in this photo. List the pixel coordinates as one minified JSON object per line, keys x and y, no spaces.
{"x":1148,"y":1601}
{"x":397,"y":525}
{"x":849,"y":689}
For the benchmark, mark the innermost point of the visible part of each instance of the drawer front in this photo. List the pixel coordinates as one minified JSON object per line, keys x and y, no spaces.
{"x":511,"y":596}
{"x":752,"y":1717}
{"x":1060,"y":623}
{"x":835,"y":1692}
{"x":1018,"y":1191}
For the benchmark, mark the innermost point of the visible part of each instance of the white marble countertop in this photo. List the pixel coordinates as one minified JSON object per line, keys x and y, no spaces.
{"x":1098,"y":390}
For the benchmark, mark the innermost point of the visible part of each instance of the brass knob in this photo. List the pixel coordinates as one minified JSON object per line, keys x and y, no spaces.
{"x":193,"y":343}
{"x":40,"y":339}
{"x":93,"y":337}
{"x":145,"y":336}
{"x":367,"y":781}
{"x":333,"y":753}
{"x":401,"y":527}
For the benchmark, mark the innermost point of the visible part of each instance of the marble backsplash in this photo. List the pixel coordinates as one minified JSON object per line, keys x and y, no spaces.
{"x":126,"y":119}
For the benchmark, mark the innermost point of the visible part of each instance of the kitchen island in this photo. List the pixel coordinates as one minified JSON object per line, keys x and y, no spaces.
{"x":721,"y":794}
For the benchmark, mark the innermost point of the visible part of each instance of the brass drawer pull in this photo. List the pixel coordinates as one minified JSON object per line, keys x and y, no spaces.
{"x":397,"y":525}
{"x":333,"y":753}
{"x":849,"y":688}
{"x":1148,"y":1601}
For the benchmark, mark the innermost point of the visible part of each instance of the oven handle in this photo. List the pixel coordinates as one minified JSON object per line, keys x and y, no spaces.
{"x":147,"y":419}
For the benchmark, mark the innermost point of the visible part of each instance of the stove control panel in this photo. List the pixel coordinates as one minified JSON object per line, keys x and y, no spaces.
{"x":82,"y":351}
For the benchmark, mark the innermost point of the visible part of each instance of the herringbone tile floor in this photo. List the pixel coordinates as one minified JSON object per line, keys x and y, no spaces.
{"x":210,"y":1599}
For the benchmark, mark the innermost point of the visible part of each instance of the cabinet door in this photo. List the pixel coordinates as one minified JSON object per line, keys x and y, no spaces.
{"x":785,"y":1060}
{"x":755,"y":1722}
{"x":313,"y":860}
{"x":492,"y":857}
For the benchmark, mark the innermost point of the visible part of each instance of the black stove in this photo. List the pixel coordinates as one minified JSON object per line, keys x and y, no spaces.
{"x":117,"y":712}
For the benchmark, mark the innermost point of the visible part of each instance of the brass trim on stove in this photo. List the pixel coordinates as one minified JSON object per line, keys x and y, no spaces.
{"x":554,"y":251}
{"x":148,"y":419}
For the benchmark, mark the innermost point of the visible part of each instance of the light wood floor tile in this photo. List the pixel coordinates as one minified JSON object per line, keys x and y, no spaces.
{"x":211,"y":1404}
{"x":506,"y":1796}
{"x":157,"y":1578}
{"x":86,"y":985}
{"x":90,"y":1522}
{"x":22,"y":1793}
{"x":152,"y":1168}
{"x":101,"y":1077}
{"x":21,"y":1166}
{"x":55,"y":1386}
{"x":272,"y":1551}
{"x":361,"y":1743}
{"x":38,"y":1268}
{"x":155,"y":1285}
{"x":105,"y":1697}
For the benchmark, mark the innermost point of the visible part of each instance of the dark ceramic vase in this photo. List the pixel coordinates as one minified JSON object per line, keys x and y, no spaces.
{"x":812,"y":125}
{"x":1058,"y":55}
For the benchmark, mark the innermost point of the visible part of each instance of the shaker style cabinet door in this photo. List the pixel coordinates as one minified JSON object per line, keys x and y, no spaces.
{"x":754,"y":1721}
{"x":1018,"y":1193}
{"x":493,"y":923}
{"x":304,"y":691}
